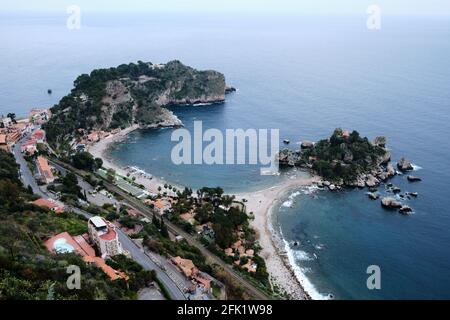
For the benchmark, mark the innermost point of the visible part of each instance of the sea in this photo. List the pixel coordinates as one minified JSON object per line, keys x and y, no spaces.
{"x":304,"y":75}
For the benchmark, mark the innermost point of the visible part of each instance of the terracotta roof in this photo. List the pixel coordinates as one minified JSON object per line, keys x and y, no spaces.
{"x":39,"y":134}
{"x":186,"y":266}
{"x":2,"y":138}
{"x":110,"y":272}
{"x":50,"y":204}
{"x":160,"y":204}
{"x":64,"y":242}
{"x":133,"y":212}
{"x":44,"y":168}
{"x":202,"y":280}
{"x":110,"y":235}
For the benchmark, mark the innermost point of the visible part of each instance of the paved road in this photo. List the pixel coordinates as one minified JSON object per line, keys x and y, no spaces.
{"x":25,"y":174}
{"x":138,"y":255}
{"x":250,"y":288}
{"x":142,"y":258}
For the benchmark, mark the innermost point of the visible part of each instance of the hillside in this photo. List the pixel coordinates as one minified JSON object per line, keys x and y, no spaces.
{"x":28,"y":271}
{"x":130,"y":94}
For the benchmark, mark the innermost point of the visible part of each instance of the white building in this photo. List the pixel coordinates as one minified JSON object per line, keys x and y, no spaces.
{"x":7,"y":122}
{"x":103,"y":234}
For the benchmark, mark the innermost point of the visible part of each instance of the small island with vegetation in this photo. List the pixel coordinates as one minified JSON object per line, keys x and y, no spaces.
{"x":347,"y":160}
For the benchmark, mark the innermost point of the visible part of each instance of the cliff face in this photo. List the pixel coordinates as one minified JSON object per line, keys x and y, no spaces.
{"x":132,"y":94}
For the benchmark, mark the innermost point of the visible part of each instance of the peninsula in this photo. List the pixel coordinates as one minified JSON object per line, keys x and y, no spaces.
{"x":130,"y":94}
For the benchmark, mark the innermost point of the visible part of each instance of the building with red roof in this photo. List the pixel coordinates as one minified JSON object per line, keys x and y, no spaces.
{"x":44,"y":170}
{"x":103,"y":233}
{"x":65,"y":243}
{"x":50,"y":204}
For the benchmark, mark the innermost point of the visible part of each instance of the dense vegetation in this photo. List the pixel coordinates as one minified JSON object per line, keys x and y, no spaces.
{"x":343,"y":156}
{"x":28,"y":270}
{"x":229,"y":220}
{"x":131,"y":93}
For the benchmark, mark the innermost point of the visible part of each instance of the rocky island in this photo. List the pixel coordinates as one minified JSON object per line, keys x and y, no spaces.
{"x":132,"y":94}
{"x":345,"y":159}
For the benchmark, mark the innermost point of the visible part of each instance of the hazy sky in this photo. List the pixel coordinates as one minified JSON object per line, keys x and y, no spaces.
{"x":220,"y":6}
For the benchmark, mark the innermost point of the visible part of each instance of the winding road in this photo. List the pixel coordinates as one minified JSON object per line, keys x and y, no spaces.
{"x":136,"y":253}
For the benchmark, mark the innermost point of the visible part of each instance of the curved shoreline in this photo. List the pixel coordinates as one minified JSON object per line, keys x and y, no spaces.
{"x":261,"y":203}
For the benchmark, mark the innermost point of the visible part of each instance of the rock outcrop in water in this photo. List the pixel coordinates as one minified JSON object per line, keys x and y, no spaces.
{"x":414,"y":179}
{"x":404,"y":165}
{"x":131,"y":94}
{"x":390,"y":203}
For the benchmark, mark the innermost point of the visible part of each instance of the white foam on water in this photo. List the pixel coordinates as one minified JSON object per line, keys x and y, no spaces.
{"x":319,"y":246}
{"x":301,"y":277}
{"x":301,"y":255}
{"x":416,"y":167}
{"x":287,"y":204}
{"x":290,"y":201}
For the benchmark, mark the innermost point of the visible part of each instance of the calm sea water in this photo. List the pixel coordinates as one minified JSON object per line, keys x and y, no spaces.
{"x":305,"y":76}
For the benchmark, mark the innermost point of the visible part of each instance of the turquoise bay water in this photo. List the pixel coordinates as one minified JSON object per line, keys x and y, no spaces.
{"x":305,"y":76}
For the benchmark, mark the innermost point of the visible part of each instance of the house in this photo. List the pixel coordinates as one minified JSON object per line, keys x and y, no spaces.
{"x":250,"y":266}
{"x":51,"y":204}
{"x":29,"y":147}
{"x":186,"y":266}
{"x":65,"y":243}
{"x":3,"y":142}
{"x":39,"y":136}
{"x":7,"y":122}
{"x":133,"y":212}
{"x":161,"y":206}
{"x":44,"y":170}
{"x":103,"y":233}
{"x":39,"y":116}
{"x":109,"y":271}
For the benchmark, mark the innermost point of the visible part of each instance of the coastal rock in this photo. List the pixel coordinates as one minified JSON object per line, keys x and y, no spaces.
{"x":361,"y":183}
{"x":390,"y":203}
{"x":286,"y":158}
{"x":385,"y":158}
{"x":390,"y":170}
{"x":396,"y":190}
{"x":307,"y":144}
{"x":332,"y":187}
{"x":326,"y":183}
{"x":413,"y":194}
{"x":371,"y":181}
{"x":230,"y":89}
{"x":404,"y":165}
{"x":413,"y":179}
{"x":380,"y":141}
{"x":383,"y":176}
{"x":405,"y":210}
{"x":373,"y":195}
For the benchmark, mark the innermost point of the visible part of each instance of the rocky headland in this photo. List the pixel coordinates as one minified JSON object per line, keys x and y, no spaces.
{"x":132,"y":94}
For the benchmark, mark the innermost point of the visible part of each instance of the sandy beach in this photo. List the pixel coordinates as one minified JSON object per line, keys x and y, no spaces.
{"x":98,"y":150}
{"x":259,"y":202}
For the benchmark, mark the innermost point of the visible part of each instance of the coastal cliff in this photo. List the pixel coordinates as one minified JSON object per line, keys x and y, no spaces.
{"x":132,"y":94}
